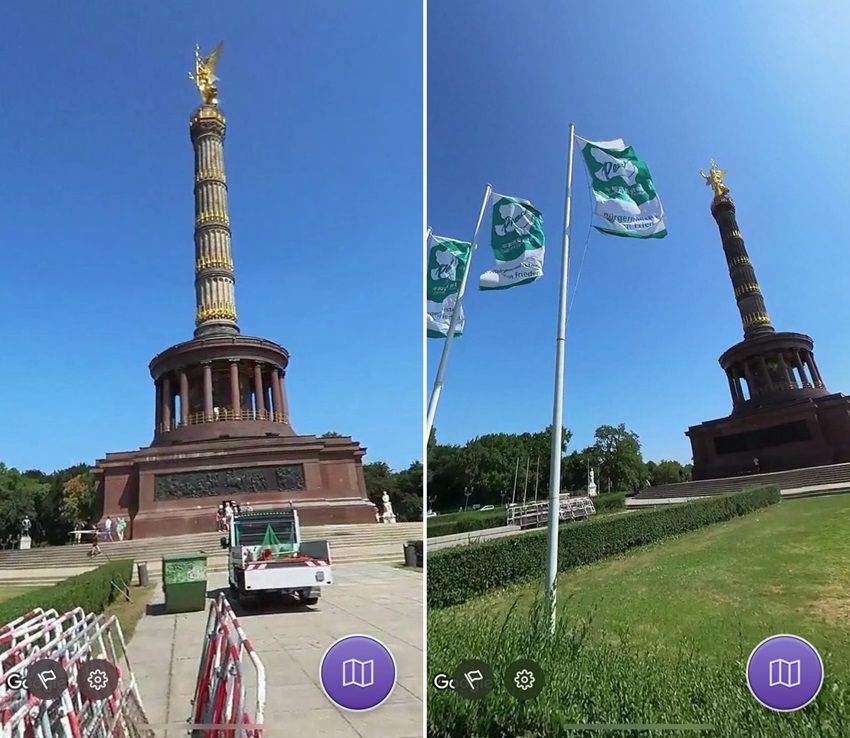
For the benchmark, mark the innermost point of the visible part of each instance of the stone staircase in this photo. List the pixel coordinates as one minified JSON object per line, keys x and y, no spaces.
{"x":834,"y":477}
{"x":364,"y":543}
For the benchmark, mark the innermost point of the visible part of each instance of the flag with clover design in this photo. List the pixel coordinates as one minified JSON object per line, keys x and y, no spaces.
{"x":518,"y":244}
{"x":623,"y":189}
{"x":447,"y":262}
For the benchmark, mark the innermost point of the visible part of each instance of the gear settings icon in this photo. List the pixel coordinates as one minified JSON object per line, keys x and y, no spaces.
{"x":97,"y":679}
{"x":524,"y":680}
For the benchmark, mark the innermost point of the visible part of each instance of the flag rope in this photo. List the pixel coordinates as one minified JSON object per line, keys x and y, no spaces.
{"x":586,"y":244}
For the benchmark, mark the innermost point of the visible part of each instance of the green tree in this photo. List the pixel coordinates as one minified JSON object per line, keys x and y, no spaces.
{"x":20,"y":495}
{"x":408,"y":503}
{"x":404,"y":488}
{"x":665,"y":472}
{"x":78,"y":499}
{"x":620,"y":458}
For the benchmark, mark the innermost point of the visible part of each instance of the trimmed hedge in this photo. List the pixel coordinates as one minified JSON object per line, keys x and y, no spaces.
{"x":460,"y":573}
{"x":92,"y":591}
{"x":466,"y":522}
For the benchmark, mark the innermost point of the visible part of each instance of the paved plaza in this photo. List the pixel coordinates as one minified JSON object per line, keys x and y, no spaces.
{"x":378,"y":600}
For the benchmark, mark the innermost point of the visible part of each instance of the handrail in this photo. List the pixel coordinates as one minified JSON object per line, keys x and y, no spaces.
{"x":222,"y":415}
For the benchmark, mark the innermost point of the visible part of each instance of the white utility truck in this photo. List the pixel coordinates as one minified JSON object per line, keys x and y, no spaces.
{"x":266,"y":556}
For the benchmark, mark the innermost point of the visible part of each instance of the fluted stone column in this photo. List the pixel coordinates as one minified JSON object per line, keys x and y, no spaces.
{"x":798,"y":360}
{"x":751,"y":385}
{"x":214,"y":276}
{"x":813,"y":369}
{"x":277,"y":394}
{"x":166,"y":403}
{"x":258,"y":389}
{"x":751,"y":307}
{"x":208,"y":393}
{"x":184,"y":398}
{"x":283,"y":398}
{"x":235,"y":400}
{"x":765,"y":372}
{"x":732,"y":389}
{"x":158,"y":418}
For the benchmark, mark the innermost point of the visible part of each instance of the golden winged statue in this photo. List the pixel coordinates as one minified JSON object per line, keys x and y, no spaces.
{"x":204,"y":76}
{"x":714,"y":179}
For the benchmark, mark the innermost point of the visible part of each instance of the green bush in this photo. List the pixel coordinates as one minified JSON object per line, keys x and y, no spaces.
{"x":466,"y":522}
{"x":615,"y":679}
{"x":459,"y":573}
{"x":610,"y":501}
{"x":93,"y":591}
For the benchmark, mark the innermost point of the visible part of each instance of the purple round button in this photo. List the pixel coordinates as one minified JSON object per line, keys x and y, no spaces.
{"x":785,"y":673}
{"x":358,"y":672}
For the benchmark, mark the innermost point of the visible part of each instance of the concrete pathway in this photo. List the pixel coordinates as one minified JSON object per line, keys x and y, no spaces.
{"x":372,"y":599}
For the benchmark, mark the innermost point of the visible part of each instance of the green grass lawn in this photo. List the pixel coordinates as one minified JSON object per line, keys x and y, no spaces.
{"x":8,"y":592}
{"x":662,"y":634}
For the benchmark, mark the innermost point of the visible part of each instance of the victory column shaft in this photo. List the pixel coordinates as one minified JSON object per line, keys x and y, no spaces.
{"x":215,"y":297}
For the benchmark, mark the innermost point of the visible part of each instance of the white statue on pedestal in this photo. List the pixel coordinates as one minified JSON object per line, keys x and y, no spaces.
{"x":25,"y":541}
{"x":591,"y":485}
{"x":389,"y":515}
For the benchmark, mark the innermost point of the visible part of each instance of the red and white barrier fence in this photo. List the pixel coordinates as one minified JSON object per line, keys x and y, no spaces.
{"x":221,"y":695}
{"x":71,"y":639}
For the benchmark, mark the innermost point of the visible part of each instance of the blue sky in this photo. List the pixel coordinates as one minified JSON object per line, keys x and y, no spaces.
{"x":324,"y":164}
{"x":758,"y":88}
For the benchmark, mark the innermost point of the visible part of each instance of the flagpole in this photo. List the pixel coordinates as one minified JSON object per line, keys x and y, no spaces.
{"x":525,"y":487}
{"x":437,"y":389}
{"x":516,"y":472}
{"x":558,"y":405}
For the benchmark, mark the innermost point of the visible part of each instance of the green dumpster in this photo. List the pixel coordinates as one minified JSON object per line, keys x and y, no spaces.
{"x":184,"y":581}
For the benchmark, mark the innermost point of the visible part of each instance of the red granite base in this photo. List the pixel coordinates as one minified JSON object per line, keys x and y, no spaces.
{"x":164,"y":523}
{"x":332,"y":487}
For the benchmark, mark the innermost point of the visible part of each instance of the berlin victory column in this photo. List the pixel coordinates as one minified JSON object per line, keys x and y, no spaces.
{"x":222,"y":425}
{"x":783,"y":417}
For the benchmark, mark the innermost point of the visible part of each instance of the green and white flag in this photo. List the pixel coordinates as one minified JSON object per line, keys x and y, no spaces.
{"x":518,"y":244}
{"x":447,"y":263}
{"x":625,"y":195}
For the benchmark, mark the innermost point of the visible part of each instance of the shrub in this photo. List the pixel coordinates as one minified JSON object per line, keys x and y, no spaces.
{"x":459,"y":573}
{"x":93,"y":591}
{"x":610,"y":501}
{"x":447,"y":525}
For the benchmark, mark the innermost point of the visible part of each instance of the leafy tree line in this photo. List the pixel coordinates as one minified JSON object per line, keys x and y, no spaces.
{"x":57,"y":502}
{"x":499,"y":468}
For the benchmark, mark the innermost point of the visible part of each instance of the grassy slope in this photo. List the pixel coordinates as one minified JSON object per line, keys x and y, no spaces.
{"x":713,"y":594}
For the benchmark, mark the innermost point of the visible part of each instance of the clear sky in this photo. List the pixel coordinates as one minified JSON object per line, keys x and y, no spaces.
{"x":759,"y":86}
{"x":324,"y":165}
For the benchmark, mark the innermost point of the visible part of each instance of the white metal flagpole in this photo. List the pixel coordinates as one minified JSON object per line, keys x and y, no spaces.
{"x":437,"y":390}
{"x":558,"y":406}
{"x":525,"y":487}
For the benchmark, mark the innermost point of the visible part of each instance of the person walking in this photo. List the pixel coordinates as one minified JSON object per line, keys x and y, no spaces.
{"x":120,"y":527}
{"x":107,"y":528}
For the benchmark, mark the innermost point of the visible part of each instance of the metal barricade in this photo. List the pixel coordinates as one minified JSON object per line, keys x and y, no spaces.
{"x":536,"y":514}
{"x":221,"y":696}
{"x":71,"y":639}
